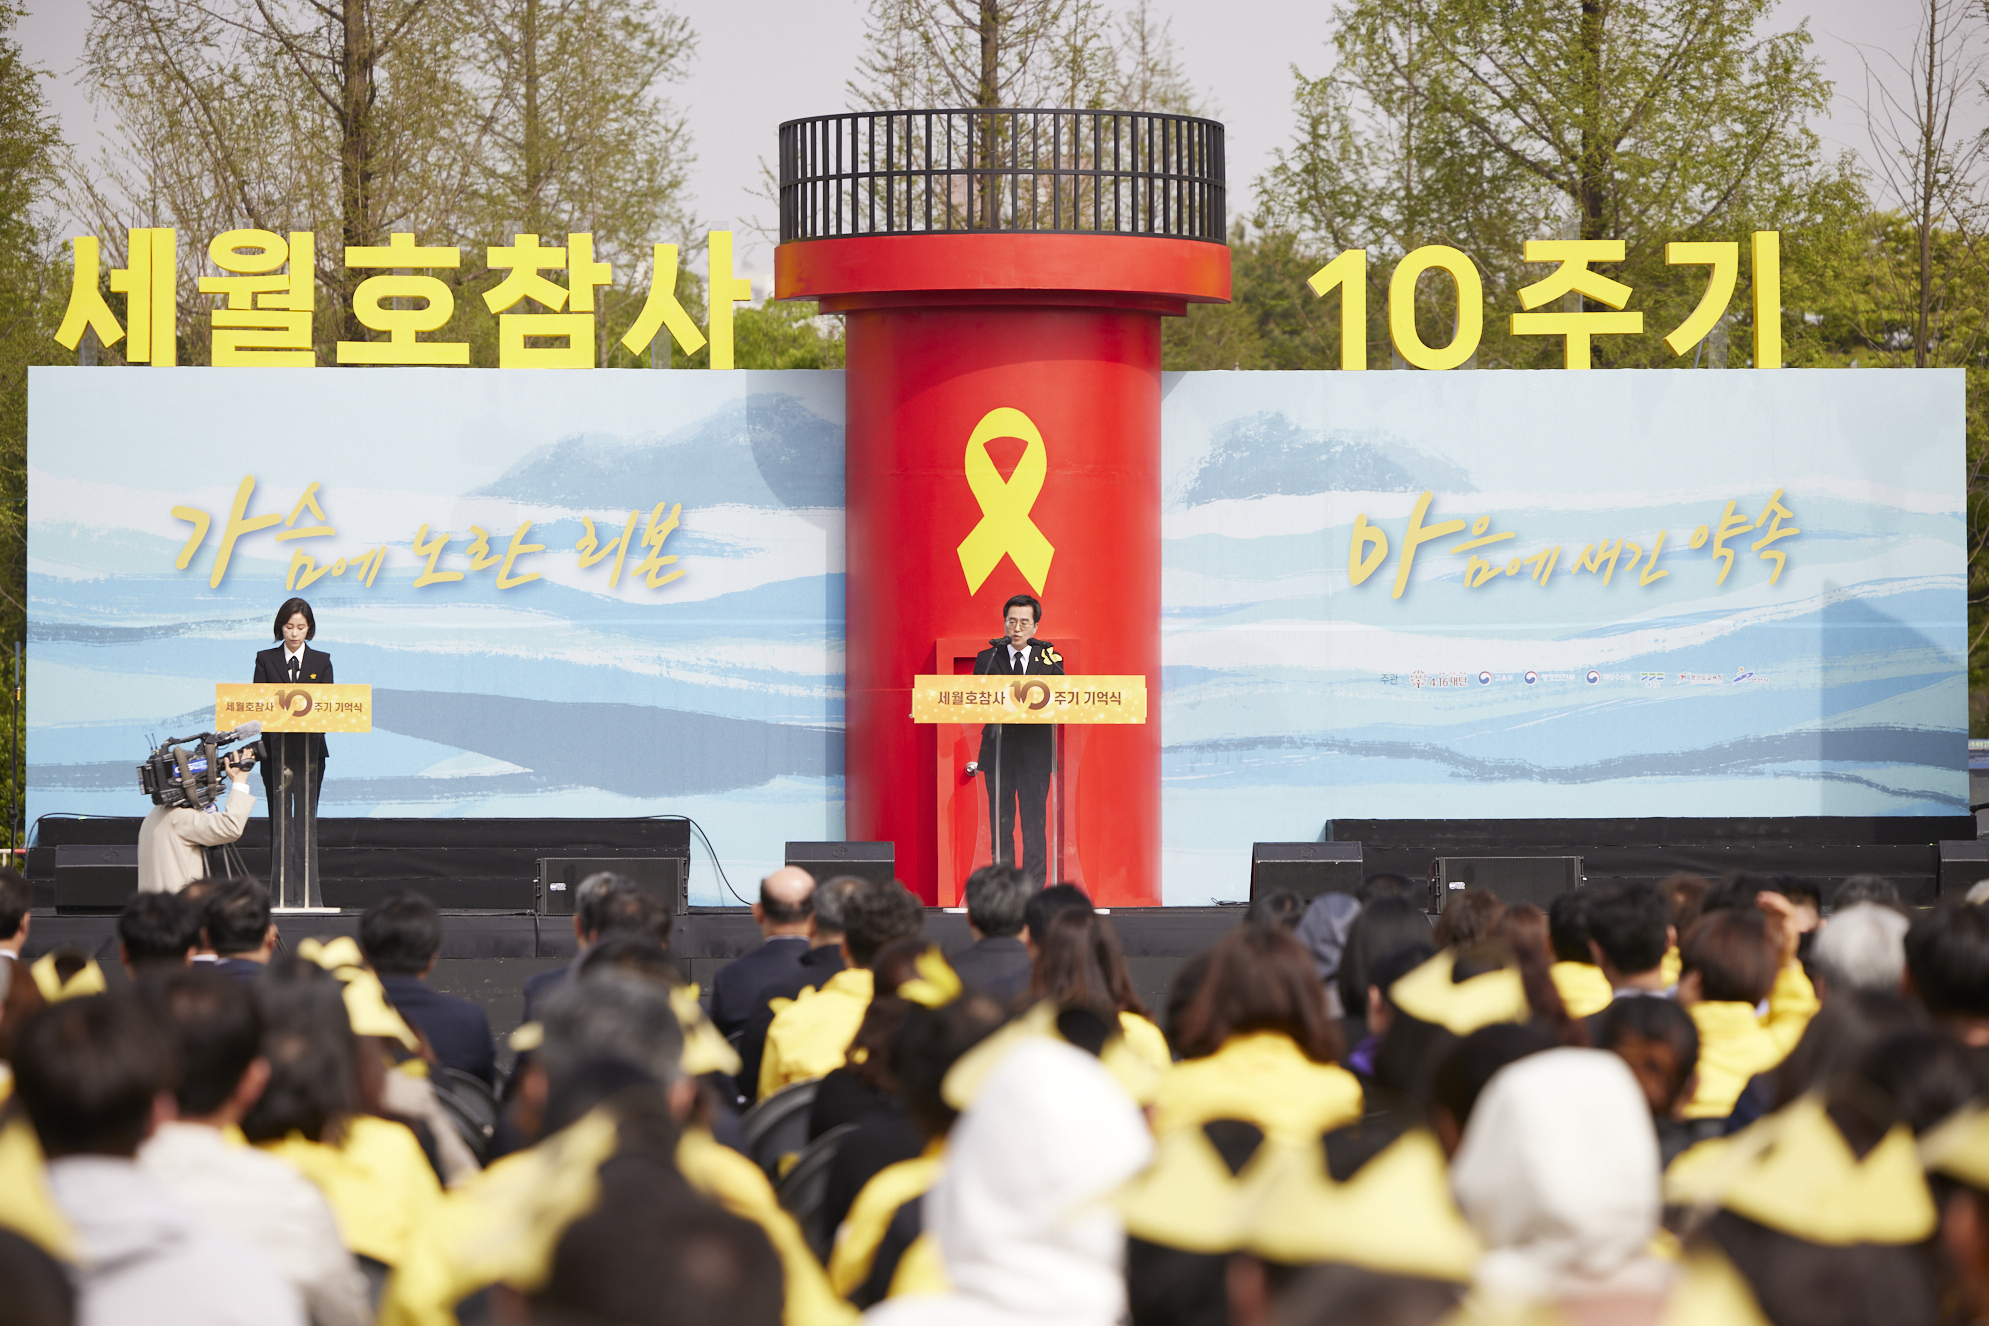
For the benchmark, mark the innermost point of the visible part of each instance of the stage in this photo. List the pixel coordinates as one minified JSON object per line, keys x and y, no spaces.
{"x":485,"y":873}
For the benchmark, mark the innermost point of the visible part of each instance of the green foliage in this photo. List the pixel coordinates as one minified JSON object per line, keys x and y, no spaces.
{"x":1481,"y":124}
{"x":786,"y":334}
{"x":33,"y":290}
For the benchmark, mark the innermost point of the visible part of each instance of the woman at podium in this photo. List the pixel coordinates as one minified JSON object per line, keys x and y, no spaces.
{"x":293,"y":660}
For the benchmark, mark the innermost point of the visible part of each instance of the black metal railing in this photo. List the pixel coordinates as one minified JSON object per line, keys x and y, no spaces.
{"x":953,"y":171}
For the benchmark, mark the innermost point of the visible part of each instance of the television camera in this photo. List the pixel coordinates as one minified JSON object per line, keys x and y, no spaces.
{"x":192,"y":772}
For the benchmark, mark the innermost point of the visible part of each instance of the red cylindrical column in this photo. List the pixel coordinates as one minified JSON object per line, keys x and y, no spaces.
{"x":942,"y":329}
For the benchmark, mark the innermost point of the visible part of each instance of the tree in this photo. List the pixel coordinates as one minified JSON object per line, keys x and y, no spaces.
{"x":461,"y":122}
{"x":33,"y":290}
{"x":350,"y":118}
{"x":1481,"y":124}
{"x":988,"y":54}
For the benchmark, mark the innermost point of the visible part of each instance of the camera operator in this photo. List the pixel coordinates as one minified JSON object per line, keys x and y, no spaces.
{"x":171,"y":840}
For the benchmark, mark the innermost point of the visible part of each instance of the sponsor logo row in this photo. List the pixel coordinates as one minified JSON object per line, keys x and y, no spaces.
{"x":1420,"y":679}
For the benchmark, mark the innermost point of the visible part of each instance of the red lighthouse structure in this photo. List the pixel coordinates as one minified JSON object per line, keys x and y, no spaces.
{"x":1002,"y":275}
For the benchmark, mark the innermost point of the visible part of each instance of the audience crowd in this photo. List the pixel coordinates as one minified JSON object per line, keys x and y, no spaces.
{"x":1692,"y":1102}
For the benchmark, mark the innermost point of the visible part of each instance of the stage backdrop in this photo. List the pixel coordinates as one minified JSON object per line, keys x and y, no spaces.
{"x":529,"y":689}
{"x":1544,"y":658}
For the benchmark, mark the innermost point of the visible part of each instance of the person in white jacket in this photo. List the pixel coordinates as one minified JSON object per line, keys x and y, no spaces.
{"x":235,"y":1189}
{"x":95,"y":1077}
{"x":172,"y":838}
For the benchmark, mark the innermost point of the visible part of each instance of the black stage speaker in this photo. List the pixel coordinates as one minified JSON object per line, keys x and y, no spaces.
{"x":95,"y":879}
{"x":1307,"y":869}
{"x":1515,"y":879}
{"x":878,"y":861}
{"x":560,"y":876}
{"x":1963,"y":864}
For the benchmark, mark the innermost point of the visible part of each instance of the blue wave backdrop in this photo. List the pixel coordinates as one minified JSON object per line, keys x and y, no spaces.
{"x":1291,"y":695}
{"x":1294,"y":696}
{"x":717,"y":695}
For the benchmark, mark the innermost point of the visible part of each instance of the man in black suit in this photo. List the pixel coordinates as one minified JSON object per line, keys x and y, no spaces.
{"x":823,"y":959}
{"x":998,"y":963}
{"x":785,"y":913}
{"x":234,"y":921}
{"x":1018,"y":758}
{"x":293,"y":660}
{"x":400,"y":936}
{"x":603,"y":903}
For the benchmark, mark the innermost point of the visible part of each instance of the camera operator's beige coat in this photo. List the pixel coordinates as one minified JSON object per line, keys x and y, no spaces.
{"x":171,"y":838}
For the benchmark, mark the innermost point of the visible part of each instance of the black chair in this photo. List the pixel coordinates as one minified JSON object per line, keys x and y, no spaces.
{"x":802,"y":1192}
{"x":777,"y":1127}
{"x":470,"y":1105}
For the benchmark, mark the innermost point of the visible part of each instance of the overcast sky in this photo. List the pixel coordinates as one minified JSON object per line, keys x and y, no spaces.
{"x":763,"y":61}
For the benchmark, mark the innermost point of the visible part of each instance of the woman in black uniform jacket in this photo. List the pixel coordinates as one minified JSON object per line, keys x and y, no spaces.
{"x":294,"y":660}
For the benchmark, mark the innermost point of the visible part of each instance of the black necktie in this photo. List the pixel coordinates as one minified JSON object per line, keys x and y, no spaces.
{"x":1018,"y":661}
{"x":296,"y":666}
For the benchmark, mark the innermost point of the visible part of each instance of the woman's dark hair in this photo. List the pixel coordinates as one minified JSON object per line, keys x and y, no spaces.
{"x":869,"y":1055}
{"x":1799,"y":1283}
{"x":928,"y":1042}
{"x":1078,"y":961}
{"x":1465,"y":1072}
{"x":1260,"y":979}
{"x":1469,"y":917}
{"x":1735,"y":951}
{"x":313,"y":1059}
{"x":1685,"y":896}
{"x":290,"y":608}
{"x":1524,"y":931}
{"x":1181,"y":991}
{"x":1837,"y":1038}
{"x":1386,"y":924}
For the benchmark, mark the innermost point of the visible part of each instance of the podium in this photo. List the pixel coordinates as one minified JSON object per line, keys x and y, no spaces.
{"x":991,"y":816}
{"x":290,"y":712}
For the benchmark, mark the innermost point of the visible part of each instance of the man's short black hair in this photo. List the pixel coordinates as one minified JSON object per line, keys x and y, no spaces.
{"x":216,"y":1030}
{"x":593,"y":895}
{"x":236,"y":916}
{"x":1280,"y":907}
{"x":1629,"y":921}
{"x":997,"y":897}
{"x":1023,"y":601}
{"x":1385,"y":885}
{"x":88,"y":1070}
{"x":1947,"y":957}
{"x":876,"y":914}
{"x":1567,"y":927}
{"x":159,"y":928}
{"x":831,"y":901}
{"x":1046,"y":903}
{"x":653,"y":1253}
{"x":401,"y":934}
{"x":16,"y":897}
{"x":633,"y":912}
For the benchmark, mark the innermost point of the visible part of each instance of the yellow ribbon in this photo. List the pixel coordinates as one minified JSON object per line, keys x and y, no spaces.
{"x":936,"y":984}
{"x":1005,"y":526}
{"x":85,"y":980}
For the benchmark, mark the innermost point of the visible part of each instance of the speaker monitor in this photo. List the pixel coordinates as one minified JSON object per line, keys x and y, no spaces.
{"x":95,"y":879}
{"x":560,"y":876}
{"x":1964,"y":863}
{"x":1515,"y":879}
{"x":875,"y":861}
{"x":1307,"y":869}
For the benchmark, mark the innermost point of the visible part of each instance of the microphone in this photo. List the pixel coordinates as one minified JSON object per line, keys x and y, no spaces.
{"x":248,"y":731}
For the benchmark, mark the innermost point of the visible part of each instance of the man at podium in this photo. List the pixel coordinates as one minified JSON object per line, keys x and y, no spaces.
{"x":1017,"y":759}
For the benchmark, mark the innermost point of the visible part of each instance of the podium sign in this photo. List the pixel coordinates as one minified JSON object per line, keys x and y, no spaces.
{"x":293,"y":706}
{"x":1084,"y":698}
{"x":290,"y":712}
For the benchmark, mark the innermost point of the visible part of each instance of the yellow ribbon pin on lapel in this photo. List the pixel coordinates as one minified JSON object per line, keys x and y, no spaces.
{"x":1005,"y":526}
